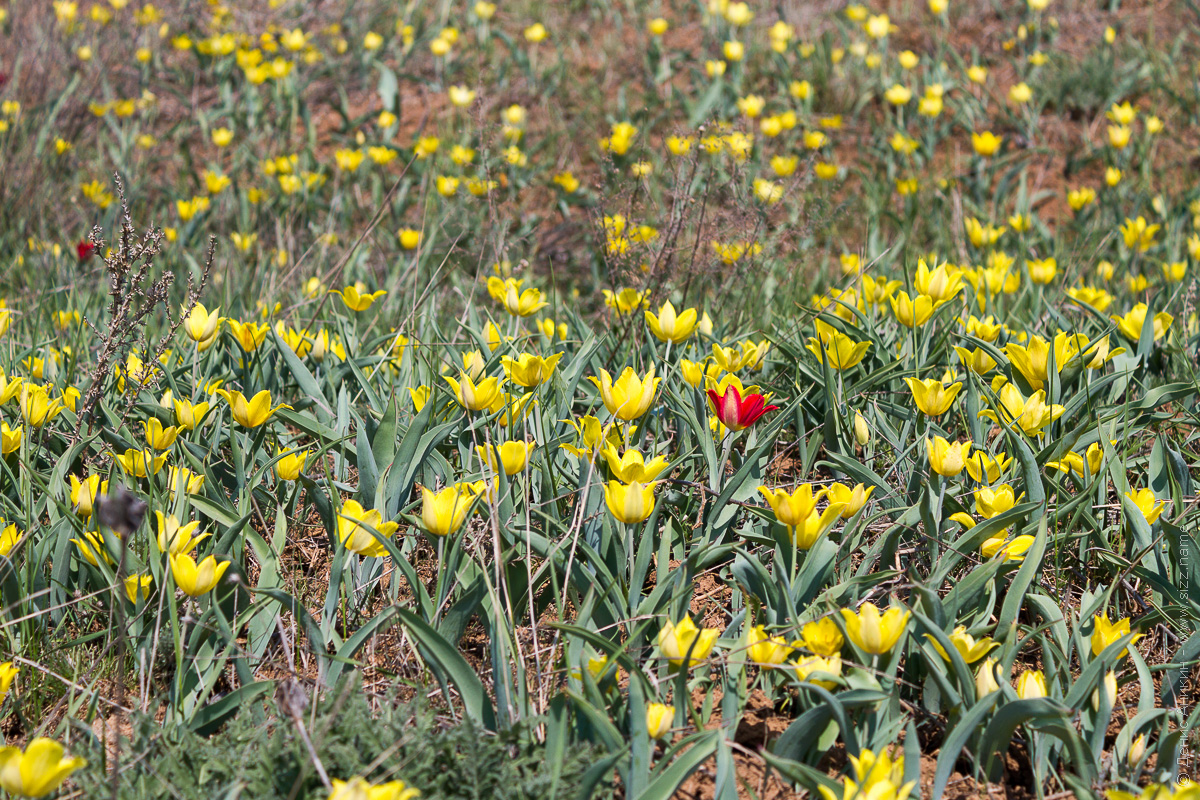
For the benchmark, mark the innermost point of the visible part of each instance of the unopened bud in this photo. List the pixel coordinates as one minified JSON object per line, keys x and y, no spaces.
{"x":1137,"y":749}
{"x":1110,"y":690}
{"x":862,"y":434}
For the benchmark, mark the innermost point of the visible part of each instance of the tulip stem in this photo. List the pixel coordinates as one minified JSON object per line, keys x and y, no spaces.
{"x":441,"y":550}
{"x":632,"y":559}
{"x":726,"y":448}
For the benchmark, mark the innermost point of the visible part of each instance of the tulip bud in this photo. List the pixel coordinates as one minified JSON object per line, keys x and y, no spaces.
{"x":985,"y":678}
{"x":1137,"y":749}
{"x":658,"y":719}
{"x":1031,"y":685}
{"x":862,"y":434}
{"x":1110,"y":690}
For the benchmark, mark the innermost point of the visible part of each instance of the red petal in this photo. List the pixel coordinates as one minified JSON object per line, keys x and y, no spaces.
{"x":716,"y":402}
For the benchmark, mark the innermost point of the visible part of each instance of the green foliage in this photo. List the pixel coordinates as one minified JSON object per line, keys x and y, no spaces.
{"x":262,"y":755}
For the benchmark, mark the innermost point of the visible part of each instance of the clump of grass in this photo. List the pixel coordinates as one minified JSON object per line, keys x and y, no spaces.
{"x":260,"y":754}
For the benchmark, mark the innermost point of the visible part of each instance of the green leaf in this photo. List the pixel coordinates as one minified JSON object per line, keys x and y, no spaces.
{"x":1030,"y":569}
{"x":308,"y":384}
{"x":999,"y":733}
{"x":447,"y":658}
{"x":667,"y":781}
{"x":214,"y":715}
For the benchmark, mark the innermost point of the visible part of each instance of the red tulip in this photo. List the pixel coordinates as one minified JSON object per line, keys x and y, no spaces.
{"x":84,"y":250}
{"x":737,"y":412}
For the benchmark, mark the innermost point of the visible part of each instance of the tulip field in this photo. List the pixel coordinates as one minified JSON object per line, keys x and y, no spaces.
{"x":682,"y":398}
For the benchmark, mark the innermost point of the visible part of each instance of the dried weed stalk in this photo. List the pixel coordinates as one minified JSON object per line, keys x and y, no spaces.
{"x":134,"y":298}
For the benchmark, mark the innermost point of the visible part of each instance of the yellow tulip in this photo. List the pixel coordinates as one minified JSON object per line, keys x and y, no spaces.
{"x":1109,"y":687}
{"x":809,"y":668}
{"x":36,"y":406}
{"x":200,"y":325}
{"x":294,"y":339}
{"x":815,"y":525}
{"x":947,"y":459}
{"x":253,"y":412}
{"x":183,"y":478}
{"x":1105,"y":632}
{"x":991,"y":502}
{"x":629,"y":503}
{"x":1042,"y":270}
{"x":977,"y":360}
{"x":590,"y":433}
{"x":516,"y":302}
{"x":514,"y":456}
{"x":443,"y":513}
{"x":174,"y":538}
{"x":196,"y":579}
{"x":291,"y":465}
{"x":872,"y":632}
{"x":157,"y":436}
{"x":1032,"y":360}
{"x":511,"y":407}
{"x":356,"y":301}
{"x":1031,"y":685}
{"x":92,"y":548}
{"x":676,"y":640}
{"x":987,"y":143}
{"x":630,"y":467}
{"x":1010,"y":549}
{"x":8,"y":673}
{"x":1030,"y":414}
{"x":10,"y":537}
{"x":1145,"y":501}
{"x":529,"y":370}
{"x":985,"y":678}
{"x":10,"y":438}
{"x":1137,"y":749}
{"x":85,"y":493}
{"x":419,"y":396}
{"x":878,"y":776}
{"x":1137,"y":234}
{"x":629,"y":397}
{"x":360,"y":530}
{"x":667,"y":326}
{"x":852,"y":499}
{"x":1081,"y":465}
{"x":1130,"y":326}
{"x":474,"y":364}
{"x":941,"y":283}
{"x":822,"y":637}
{"x":697,"y":373}
{"x":137,"y":584}
{"x":658,"y":719}
{"x":966,"y":645}
{"x":932,"y":396}
{"x":914,"y":312}
{"x":841,"y":351}
{"x":139,"y":462}
{"x":475,"y":396}
{"x":188,"y":415}
{"x":359,"y":789}
{"x":862,"y":432}
{"x":764,"y":650}
{"x":250,"y":335}
{"x":984,"y":469}
{"x":625,"y":301}
{"x":38,"y":771}
{"x":792,"y":508}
